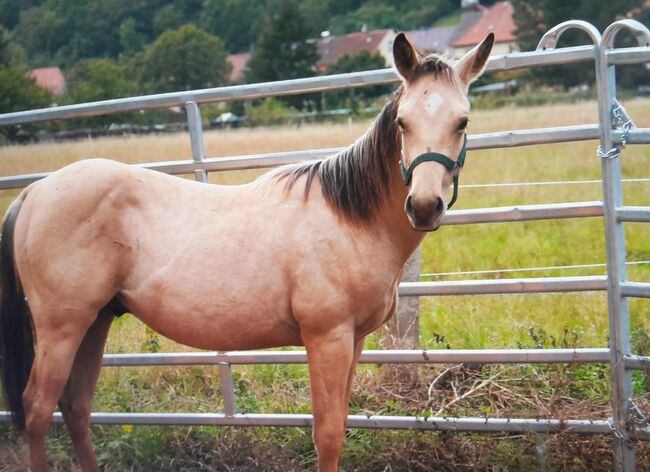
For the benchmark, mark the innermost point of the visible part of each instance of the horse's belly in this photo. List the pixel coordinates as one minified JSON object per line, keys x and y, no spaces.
{"x":217,"y":319}
{"x":221,"y":333}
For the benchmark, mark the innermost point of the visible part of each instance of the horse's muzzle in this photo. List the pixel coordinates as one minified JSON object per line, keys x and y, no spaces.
{"x":425,"y":214}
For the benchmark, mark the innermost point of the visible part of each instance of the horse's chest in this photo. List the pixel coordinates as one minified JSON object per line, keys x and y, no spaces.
{"x":380,"y":315}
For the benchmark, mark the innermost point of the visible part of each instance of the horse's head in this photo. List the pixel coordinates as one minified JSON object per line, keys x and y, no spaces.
{"x":432,"y":117}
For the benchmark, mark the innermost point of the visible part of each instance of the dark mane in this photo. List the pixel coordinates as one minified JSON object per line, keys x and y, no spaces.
{"x":355,"y":182}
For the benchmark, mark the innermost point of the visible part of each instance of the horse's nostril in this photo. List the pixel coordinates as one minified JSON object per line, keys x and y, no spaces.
{"x":409,"y":206}
{"x":440,"y":206}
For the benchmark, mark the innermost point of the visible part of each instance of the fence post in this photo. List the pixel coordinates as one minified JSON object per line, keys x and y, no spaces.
{"x":619,"y":315}
{"x":404,"y":327}
{"x":227,"y":386}
{"x":195,"y":127}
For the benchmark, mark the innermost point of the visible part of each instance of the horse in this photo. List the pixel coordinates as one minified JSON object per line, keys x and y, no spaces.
{"x":97,"y":238}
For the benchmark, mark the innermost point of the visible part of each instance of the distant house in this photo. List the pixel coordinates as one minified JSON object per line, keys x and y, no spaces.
{"x":238,"y":63}
{"x":436,"y":40}
{"x":497,"y":19}
{"x":471,"y":12}
{"x":332,"y":48}
{"x":50,"y":78}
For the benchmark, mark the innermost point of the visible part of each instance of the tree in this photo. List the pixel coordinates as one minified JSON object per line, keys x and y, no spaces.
{"x":283,"y":50}
{"x":533,"y":18}
{"x":371,"y":15}
{"x":167,"y":18}
{"x":97,"y":79}
{"x":237,"y":22}
{"x":39,"y":32}
{"x":184,"y":59}
{"x":363,"y":60}
{"x":131,"y":39}
{"x":19,"y":91}
{"x":10,"y":11}
{"x":92,"y":80}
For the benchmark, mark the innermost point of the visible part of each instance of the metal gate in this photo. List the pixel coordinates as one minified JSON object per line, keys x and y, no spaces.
{"x":615,"y":130}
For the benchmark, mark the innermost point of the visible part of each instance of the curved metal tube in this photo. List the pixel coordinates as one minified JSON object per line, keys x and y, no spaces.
{"x":639,"y":30}
{"x":552,"y":36}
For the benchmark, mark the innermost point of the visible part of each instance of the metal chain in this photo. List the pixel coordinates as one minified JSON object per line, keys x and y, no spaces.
{"x":619,"y":121}
{"x":636,"y":419}
{"x":619,"y":435}
{"x":637,"y":416}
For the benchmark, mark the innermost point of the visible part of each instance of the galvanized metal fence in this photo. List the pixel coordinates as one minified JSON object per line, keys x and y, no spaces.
{"x":614,"y":130}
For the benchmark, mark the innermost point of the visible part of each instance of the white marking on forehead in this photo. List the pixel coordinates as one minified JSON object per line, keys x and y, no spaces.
{"x":432,"y":104}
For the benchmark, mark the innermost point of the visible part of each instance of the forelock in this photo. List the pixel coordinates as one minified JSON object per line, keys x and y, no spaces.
{"x":436,"y":66}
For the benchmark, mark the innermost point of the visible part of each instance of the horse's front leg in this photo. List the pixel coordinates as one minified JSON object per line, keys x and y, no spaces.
{"x":330,"y":356}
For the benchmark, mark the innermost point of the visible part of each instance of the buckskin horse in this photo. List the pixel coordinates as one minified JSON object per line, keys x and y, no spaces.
{"x":97,"y":238}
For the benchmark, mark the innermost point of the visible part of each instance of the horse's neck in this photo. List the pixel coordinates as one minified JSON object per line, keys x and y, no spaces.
{"x":392,"y":216}
{"x":390,"y":220}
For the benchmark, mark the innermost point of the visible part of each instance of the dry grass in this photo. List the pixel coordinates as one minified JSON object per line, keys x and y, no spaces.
{"x":458,"y":322}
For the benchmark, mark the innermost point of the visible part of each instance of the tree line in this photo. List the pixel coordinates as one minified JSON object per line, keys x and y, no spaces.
{"x":117,"y":48}
{"x":63,"y":32}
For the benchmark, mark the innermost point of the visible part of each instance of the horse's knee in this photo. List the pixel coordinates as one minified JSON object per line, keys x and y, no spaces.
{"x":37,"y":420}
{"x":329,"y":440}
{"x":76,"y":414}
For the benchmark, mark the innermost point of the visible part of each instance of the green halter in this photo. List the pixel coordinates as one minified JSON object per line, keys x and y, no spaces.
{"x":440,"y":159}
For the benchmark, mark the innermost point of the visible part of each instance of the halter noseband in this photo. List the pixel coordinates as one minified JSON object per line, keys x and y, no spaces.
{"x":440,"y":159}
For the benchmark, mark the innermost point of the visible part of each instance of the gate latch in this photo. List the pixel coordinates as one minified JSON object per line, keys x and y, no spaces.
{"x":621,"y":120}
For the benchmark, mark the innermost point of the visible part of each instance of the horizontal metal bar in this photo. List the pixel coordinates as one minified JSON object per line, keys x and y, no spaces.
{"x":524,"y":213}
{"x":502,"y":139}
{"x":633,"y":213}
{"x":636,"y":55}
{"x":251,"y":161}
{"x":235,"y":92}
{"x":513,"y":425}
{"x":523,"y":60}
{"x":504,"y":286}
{"x":529,"y":137}
{"x":635,"y":289}
{"x":637,"y":362}
{"x":254,"y":161}
{"x":287,"y":87}
{"x":385,"y":356}
{"x":636,"y":136}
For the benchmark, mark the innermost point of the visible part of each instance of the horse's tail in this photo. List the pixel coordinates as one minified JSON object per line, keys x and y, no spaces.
{"x":16,"y":329}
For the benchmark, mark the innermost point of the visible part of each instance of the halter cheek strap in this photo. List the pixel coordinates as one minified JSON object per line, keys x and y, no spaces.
{"x":440,"y":159}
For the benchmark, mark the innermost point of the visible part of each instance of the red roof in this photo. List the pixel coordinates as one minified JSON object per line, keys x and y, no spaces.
{"x":50,"y":78}
{"x":497,"y":19}
{"x":332,"y":48}
{"x":238,"y":62}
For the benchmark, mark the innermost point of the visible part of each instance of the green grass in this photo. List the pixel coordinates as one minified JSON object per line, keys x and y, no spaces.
{"x":509,"y":321}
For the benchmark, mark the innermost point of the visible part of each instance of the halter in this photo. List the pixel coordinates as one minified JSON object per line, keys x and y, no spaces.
{"x":440,"y":159}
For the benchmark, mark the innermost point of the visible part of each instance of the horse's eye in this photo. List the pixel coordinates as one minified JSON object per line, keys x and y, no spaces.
{"x":463,"y":125}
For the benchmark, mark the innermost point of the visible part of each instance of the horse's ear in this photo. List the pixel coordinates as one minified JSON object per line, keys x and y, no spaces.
{"x":472,"y":64}
{"x":405,"y":56}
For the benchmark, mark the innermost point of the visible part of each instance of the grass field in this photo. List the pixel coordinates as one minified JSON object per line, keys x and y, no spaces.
{"x":512,"y":321}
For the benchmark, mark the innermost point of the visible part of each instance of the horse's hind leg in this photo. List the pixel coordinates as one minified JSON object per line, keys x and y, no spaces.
{"x":76,"y":402}
{"x":57,"y":345}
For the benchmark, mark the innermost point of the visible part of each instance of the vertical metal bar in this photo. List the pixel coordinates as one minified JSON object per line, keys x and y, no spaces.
{"x":227,"y":387}
{"x":619,"y":317}
{"x":196,"y":138}
{"x":404,"y":327}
